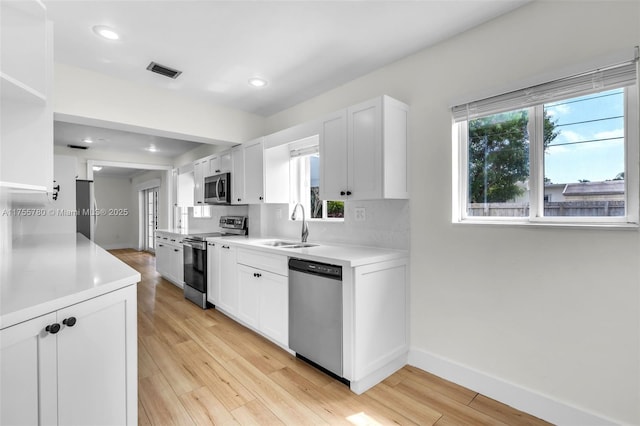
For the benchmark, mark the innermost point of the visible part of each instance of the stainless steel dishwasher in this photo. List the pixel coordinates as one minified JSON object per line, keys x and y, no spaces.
{"x":315,"y":313}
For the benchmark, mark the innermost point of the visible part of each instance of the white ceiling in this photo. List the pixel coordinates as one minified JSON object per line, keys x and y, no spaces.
{"x":112,"y":140}
{"x":303,"y":48}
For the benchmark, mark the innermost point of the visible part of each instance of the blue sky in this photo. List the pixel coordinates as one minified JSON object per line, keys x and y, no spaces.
{"x":600,"y":159}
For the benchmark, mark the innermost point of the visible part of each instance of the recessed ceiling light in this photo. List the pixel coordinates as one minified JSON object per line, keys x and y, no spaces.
{"x":106,"y":32}
{"x":87,"y":140}
{"x":152,"y":148}
{"x":257,"y":82}
{"x":97,"y":168}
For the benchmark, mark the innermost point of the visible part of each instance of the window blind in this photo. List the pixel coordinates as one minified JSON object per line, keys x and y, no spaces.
{"x":616,"y":76}
{"x":299,"y":152}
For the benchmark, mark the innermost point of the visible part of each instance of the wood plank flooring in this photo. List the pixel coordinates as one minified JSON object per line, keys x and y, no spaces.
{"x":198,"y":367}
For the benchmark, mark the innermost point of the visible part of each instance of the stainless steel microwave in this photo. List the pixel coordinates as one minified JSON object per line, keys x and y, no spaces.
{"x":217,"y":189}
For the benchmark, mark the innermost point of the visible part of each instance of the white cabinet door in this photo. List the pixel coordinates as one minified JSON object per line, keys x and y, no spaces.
{"x":163,"y":259}
{"x":28,"y":373}
{"x":274,"y":307}
{"x":228,"y":296}
{"x":225,"y":163}
{"x":26,"y":114}
{"x":333,"y":157}
{"x":254,"y":172}
{"x":249,"y":283}
{"x":237,"y":176}
{"x":213,"y":272}
{"x":363,"y":151}
{"x":176,"y":263}
{"x":97,"y":367}
{"x":364,"y":135}
{"x":200,"y":168}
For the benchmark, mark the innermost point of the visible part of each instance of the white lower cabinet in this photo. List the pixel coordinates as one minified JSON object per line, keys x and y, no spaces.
{"x":213,"y":272}
{"x":228,"y":291}
{"x":170,"y":258}
{"x":75,"y":366}
{"x":263,"y":294}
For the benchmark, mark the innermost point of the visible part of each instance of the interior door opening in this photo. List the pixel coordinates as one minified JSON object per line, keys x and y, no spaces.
{"x":150,"y":197}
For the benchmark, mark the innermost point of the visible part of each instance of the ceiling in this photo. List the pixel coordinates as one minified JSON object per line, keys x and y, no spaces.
{"x":302,"y":48}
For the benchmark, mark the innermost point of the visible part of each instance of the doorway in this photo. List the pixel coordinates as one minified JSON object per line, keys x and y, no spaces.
{"x":150,"y":197}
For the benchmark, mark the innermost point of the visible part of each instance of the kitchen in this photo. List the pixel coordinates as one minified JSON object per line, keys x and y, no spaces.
{"x":541,"y":340}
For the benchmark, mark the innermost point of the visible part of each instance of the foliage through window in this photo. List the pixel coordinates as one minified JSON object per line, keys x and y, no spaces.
{"x":560,"y":151}
{"x":305,"y":181}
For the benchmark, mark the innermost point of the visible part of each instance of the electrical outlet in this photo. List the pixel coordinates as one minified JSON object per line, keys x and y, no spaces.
{"x":360,"y":214}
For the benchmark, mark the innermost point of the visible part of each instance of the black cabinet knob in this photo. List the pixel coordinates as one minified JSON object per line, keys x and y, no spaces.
{"x":261,"y":198}
{"x":348,"y":192}
{"x":239,"y":199}
{"x":69,"y":322}
{"x":53,"y":328}
{"x":343,"y":193}
{"x":199,"y":202}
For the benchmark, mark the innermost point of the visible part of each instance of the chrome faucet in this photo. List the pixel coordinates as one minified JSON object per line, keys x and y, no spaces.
{"x":305,"y":228}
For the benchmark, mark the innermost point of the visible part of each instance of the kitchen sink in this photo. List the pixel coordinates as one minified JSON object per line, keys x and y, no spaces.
{"x":300,"y":245}
{"x":279,"y":243}
{"x":287,"y":244}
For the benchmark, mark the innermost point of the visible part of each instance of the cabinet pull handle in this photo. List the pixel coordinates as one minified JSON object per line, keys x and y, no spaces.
{"x":176,"y":250}
{"x":53,"y":328}
{"x":160,"y":245}
{"x":69,"y":322}
{"x":343,"y":193}
{"x":225,"y":247}
{"x":348,"y":192}
{"x":261,"y":198}
{"x":255,"y":274}
{"x":239,"y":199}
{"x":199,"y":202}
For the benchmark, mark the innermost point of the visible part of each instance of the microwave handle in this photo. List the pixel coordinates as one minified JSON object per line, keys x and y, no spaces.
{"x":218,"y":192}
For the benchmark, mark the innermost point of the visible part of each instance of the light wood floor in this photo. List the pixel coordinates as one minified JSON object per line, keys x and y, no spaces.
{"x":198,"y":367}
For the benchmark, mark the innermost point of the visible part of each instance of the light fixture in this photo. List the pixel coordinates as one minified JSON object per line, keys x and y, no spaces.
{"x":87,"y":140}
{"x":97,"y":168}
{"x":152,"y":148}
{"x":106,"y":32}
{"x":257,"y":82}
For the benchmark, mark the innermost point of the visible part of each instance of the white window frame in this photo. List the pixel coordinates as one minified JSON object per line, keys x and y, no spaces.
{"x":298,"y":150}
{"x":536,"y":178}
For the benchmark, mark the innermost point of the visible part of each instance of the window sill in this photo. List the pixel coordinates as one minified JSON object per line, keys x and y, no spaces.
{"x":549,"y":224}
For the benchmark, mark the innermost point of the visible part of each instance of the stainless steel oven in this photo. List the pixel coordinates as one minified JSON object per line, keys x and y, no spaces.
{"x":195,"y":257}
{"x":195,"y":270}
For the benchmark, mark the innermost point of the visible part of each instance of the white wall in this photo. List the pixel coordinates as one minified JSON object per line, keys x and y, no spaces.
{"x":386,"y":224}
{"x":93,"y":98}
{"x":55,"y":216}
{"x":545,"y":319}
{"x":115,"y":230}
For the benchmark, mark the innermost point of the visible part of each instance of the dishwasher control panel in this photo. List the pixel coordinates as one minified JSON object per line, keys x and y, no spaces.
{"x":310,"y":267}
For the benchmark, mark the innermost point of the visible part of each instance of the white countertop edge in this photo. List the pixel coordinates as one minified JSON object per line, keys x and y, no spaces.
{"x":25,"y":314}
{"x":346,"y":255}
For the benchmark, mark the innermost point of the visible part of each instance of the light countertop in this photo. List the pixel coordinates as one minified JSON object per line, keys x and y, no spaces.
{"x":44,"y":273}
{"x":345,"y":255}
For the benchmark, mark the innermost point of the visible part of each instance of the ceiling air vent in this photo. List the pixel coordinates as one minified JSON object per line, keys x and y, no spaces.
{"x":77,"y":146}
{"x":162,"y":70}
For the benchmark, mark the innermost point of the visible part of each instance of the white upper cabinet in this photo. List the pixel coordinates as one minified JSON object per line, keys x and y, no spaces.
{"x":237,"y":176}
{"x":26,"y":69}
{"x":219,"y":163}
{"x":363,"y":151}
{"x":200,"y":169}
{"x":254,"y":171}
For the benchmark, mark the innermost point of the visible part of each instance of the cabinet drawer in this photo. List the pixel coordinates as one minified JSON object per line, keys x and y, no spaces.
{"x":275,"y":263}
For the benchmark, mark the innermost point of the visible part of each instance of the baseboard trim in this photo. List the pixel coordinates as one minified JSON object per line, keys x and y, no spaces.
{"x":513,"y":395}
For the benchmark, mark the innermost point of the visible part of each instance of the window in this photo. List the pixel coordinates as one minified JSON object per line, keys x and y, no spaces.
{"x":565,"y":151}
{"x":305,"y":181}
{"x":202,"y":211}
